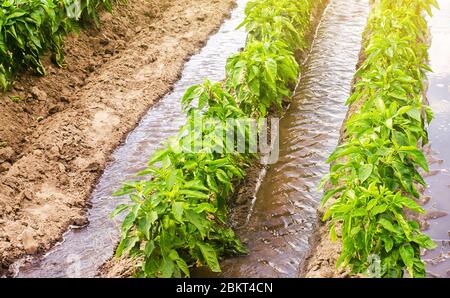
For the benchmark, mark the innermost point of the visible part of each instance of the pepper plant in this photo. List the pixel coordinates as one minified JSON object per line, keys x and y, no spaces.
{"x":30,"y":28}
{"x":375,"y":171}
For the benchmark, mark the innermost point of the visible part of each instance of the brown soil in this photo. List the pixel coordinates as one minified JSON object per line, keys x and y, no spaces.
{"x":118,"y":267}
{"x":55,"y":142}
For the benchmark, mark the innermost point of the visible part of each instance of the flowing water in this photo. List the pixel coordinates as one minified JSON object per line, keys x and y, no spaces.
{"x":438,"y":260}
{"x":84,"y":250}
{"x":284,"y":210}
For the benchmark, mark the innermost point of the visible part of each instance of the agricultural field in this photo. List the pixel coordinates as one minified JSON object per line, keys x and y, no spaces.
{"x":224,"y":138}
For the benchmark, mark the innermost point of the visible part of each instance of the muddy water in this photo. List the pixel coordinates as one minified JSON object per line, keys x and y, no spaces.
{"x":284,"y":210}
{"x":438,"y":260}
{"x":83,"y":250}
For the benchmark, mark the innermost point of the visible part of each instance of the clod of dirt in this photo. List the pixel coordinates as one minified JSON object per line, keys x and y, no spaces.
{"x":27,"y":195}
{"x":38,"y":94}
{"x":104,"y":41}
{"x":424,"y":200}
{"x":53,"y":110}
{"x":435,"y":214}
{"x":64,"y":99}
{"x":80,"y":221}
{"x":30,"y":245}
{"x":6,"y":154}
{"x":90,"y":68}
{"x":5,"y":166}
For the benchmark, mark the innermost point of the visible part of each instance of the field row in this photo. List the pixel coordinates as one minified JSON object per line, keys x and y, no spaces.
{"x":178,"y":218}
{"x":30,"y":28}
{"x":374,"y":173}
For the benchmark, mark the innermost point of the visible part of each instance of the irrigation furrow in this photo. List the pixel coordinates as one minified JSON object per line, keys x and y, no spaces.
{"x":284,"y":213}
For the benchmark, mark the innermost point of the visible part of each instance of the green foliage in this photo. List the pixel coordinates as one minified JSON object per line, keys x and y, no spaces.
{"x":177,"y":218}
{"x":375,"y":172}
{"x":261,"y":75}
{"x":29,"y":28}
{"x":283,"y":20}
{"x":180,"y":213}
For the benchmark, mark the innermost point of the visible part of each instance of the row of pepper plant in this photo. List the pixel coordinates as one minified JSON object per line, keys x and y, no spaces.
{"x":177,"y":218}
{"x":30,"y":28}
{"x":374,"y":173}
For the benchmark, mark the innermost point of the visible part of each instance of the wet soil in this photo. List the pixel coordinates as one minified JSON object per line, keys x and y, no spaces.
{"x":57,"y":132}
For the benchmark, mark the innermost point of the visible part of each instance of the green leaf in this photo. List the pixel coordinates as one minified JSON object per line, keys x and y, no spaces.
{"x":358,"y":212}
{"x":407,"y":255}
{"x":371,"y":204}
{"x":128,"y":222}
{"x":389,"y":123}
{"x":333,"y":234}
{"x":189,"y":96}
{"x":124,"y":191}
{"x":205,"y":207}
{"x":388,"y":243}
{"x":178,"y":209}
{"x":379,"y":209}
{"x":424,"y":241}
{"x":119,"y":209}
{"x":195,"y":185}
{"x":415,"y":114}
{"x":403,"y":110}
{"x":364,"y":172}
{"x":146,"y":222}
{"x":158,"y":156}
{"x":210,"y":256}
{"x":429,"y":114}
{"x":125,"y":245}
{"x":194,"y":194}
{"x":330,"y":193}
{"x":410,"y":204}
{"x":149,"y":247}
{"x":167,"y":268}
{"x":173,"y":255}
{"x":172,"y":178}
{"x":398,"y":95}
{"x":387,"y":225}
{"x":198,"y":221}
{"x":379,"y":103}
{"x":270,"y":66}
{"x":416,"y":155}
{"x":341,"y":151}
{"x":212,"y":184}
{"x":222,"y":176}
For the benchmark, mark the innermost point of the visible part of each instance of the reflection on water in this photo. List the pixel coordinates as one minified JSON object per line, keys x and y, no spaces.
{"x":285,"y":207}
{"x":438,"y":261}
{"x":83,"y":251}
